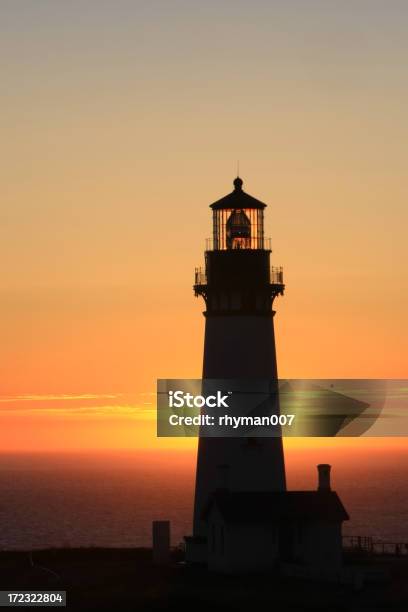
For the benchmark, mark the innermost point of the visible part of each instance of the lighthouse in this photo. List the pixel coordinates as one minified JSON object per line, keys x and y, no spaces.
{"x":239,"y":287}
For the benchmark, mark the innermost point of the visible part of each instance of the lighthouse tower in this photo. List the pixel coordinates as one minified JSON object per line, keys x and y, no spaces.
{"x":239,"y":286}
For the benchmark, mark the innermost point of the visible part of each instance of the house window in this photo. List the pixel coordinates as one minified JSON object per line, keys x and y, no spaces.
{"x":213,"y":543}
{"x":300,"y":533}
{"x":221,"y":539}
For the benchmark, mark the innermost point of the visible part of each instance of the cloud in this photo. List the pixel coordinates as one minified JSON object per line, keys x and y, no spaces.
{"x":42,"y":398}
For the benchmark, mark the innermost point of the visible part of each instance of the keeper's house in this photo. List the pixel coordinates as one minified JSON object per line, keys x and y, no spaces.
{"x":253,"y":531}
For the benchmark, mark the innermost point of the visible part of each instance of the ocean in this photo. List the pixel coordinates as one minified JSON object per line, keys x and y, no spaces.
{"x":110,"y":500}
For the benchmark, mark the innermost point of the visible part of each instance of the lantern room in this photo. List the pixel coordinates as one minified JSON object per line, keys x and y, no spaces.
{"x":238,"y":221}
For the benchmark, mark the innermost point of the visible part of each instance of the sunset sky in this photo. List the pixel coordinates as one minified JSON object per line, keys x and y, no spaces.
{"x":121,"y":122}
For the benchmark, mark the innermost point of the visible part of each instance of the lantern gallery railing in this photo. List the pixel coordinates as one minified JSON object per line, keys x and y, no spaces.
{"x":249,"y":243}
{"x":200,"y":277}
{"x":276,"y":276}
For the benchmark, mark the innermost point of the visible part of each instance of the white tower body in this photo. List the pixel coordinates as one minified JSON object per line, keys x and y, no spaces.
{"x":239,"y":287}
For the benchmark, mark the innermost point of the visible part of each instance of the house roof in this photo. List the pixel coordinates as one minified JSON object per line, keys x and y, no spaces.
{"x":264,"y":507}
{"x":237,"y":199}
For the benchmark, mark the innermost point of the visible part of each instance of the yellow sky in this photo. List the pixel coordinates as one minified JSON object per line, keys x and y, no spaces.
{"x":119,"y":127}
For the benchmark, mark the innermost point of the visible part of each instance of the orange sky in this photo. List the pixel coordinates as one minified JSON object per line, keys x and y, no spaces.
{"x":128,"y":423}
{"x":119,"y":128}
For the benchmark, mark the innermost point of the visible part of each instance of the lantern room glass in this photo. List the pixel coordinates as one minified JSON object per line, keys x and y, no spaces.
{"x":238,"y":228}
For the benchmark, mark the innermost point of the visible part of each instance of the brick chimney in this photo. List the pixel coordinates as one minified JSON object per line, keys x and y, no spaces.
{"x":324,"y":477}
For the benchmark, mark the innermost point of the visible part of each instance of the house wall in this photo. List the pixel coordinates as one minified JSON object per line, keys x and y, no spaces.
{"x":236,"y":548}
{"x":244,"y":548}
{"x":252,"y":548}
{"x":320,"y":545}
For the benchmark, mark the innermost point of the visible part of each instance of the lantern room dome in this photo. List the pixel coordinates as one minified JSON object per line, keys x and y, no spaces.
{"x":238,"y":182}
{"x":238,"y":199}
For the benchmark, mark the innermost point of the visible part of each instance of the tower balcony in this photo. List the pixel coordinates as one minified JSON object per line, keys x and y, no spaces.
{"x":275,"y":277}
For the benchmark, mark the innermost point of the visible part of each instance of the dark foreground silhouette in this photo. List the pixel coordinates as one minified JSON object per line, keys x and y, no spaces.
{"x":126,"y":579}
